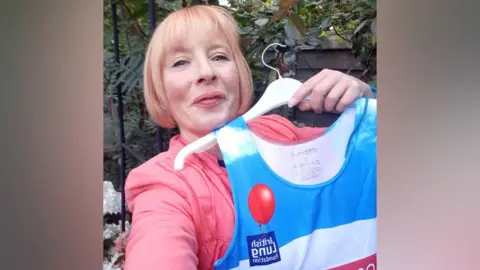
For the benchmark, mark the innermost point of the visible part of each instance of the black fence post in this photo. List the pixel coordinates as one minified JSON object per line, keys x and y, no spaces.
{"x":120,"y":114}
{"x":151,"y":17}
{"x":123,"y":145}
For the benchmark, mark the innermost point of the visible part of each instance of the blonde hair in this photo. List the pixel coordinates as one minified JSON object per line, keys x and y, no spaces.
{"x":177,"y":26}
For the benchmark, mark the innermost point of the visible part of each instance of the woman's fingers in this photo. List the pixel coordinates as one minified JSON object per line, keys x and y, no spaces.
{"x":330,"y":91}
{"x":320,"y":93}
{"x":304,"y":106}
{"x":334,"y":96}
{"x":307,"y":88}
{"x":349,"y":96}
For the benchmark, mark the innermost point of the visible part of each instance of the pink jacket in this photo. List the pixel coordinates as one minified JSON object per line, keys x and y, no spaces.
{"x":184,"y":220}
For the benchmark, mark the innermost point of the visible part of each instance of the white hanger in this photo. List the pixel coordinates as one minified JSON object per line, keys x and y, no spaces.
{"x":278,"y":93}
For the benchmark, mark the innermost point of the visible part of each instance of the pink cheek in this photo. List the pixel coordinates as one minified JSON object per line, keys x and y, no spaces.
{"x":233,"y":83}
{"x":230,"y":77}
{"x":177,"y":91}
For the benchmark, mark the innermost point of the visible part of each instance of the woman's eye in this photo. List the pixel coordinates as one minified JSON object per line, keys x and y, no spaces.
{"x":180,"y":63}
{"x":220,"y":58}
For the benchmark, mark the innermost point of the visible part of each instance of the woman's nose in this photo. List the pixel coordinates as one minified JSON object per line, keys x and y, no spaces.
{"x":206,"y":74}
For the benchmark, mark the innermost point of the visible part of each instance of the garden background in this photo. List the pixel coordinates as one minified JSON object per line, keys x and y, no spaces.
{"x":335,"y":34}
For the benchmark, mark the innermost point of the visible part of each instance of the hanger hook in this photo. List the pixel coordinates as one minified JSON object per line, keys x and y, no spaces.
{"x":263,"y":61}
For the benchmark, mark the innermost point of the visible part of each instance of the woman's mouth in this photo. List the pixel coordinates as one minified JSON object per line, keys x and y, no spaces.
{"x":209,"y":100}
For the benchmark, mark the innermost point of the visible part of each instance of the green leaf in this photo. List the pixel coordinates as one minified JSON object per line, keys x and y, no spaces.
{"x":325,"y":23}
{"x":301,"y":4}
{"x":291,"y":31}
{"x":373,"y":26}
{"x":128,"y":87}
{"x":267,"y":38}
{"x":359,"y":9}
{"x":339,"y":40}
{"x":123,"y":77}
{"x":135,"y":62}
{"x":245,"y":30}
{"x":261,"y":22}
{"x":372,"y":3}
{"x":272,"y":76}
{"x":323,"y":34}
{"x":356,"y":21}
{"x":298,"y":22}
{"x":350,"y":26}
{"x":359,"y":27}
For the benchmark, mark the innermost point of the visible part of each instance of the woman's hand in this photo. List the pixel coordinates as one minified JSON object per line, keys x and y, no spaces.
{"x":330,"y":90}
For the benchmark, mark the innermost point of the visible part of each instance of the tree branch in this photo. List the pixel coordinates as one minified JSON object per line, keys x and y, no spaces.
{"x":344,"y":38}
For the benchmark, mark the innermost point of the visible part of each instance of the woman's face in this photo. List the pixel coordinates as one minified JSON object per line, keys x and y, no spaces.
{"x":201,"y":84}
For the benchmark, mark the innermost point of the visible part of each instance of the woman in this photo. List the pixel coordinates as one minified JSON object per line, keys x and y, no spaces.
{"x":197,"y":79}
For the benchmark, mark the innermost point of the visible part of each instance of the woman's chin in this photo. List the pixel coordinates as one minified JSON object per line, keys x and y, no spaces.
{"x":200,"y":123}
{"x":214,"y":122}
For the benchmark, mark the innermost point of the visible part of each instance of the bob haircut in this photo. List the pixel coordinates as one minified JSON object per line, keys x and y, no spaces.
{"x":178,"y":26}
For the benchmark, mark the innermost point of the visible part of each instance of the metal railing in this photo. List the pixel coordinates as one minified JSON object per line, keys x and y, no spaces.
{"x":123,"y":146}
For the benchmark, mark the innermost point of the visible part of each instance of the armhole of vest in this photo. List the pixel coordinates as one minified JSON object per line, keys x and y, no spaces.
{"x":374,"y":91}
{"x":368,"y":126}
{"x":362,"y":122}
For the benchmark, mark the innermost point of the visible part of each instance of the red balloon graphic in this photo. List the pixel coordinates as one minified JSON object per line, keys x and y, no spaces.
{"x":261,"y":203}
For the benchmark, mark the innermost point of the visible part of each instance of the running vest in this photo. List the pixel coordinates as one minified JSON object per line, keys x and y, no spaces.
{"x":304,"y":205}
